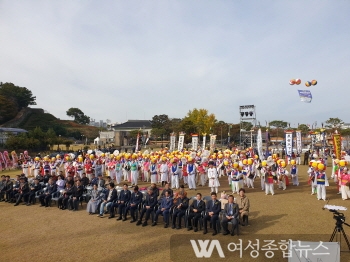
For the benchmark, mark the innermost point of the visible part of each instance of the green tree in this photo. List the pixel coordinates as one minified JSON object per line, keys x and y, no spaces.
{"x":303,"y":128}
{"x":161,"y":122}
{"x":334,"y":122}
{"x":8,"y":108}
{"x":68,"y":143}
{"x":279,"y":124}
{"x":79,"y":116}
{"x":157,"y":133}
{"x":22,"y":96}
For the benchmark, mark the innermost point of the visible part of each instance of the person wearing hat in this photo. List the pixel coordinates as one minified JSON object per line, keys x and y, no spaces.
{"x":135,"y":200}
{"x":213,"y":178}
{"x":311,"y":181}
{"x":174,"y":174}
{"x":150,"y":203}
{"x":22,"y":190}
{"x":345,"y":181}
{"x":321,"y":181}
{"x":191,"y":172}
{"x":163,"y":169}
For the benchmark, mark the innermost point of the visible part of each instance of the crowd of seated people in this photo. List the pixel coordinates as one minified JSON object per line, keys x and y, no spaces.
{"x":103,"y":198}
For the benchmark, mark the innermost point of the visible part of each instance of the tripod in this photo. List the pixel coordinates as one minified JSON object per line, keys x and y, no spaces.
{"x":339,"y":228}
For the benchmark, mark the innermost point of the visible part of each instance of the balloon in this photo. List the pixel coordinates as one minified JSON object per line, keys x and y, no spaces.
{"x":298,"y":81}
{"x":308,"y":83}
{"x":314,"y":82}
{"x":292,"y":82}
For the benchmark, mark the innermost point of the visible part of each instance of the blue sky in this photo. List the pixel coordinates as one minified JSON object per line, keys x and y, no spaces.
{"x":124,"y":60}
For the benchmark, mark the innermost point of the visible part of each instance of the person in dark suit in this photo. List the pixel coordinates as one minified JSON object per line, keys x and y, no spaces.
{"x":149,"y":205}
{"x":164,"y":209}
{"x":180,"y":208}
{"x":84,"y":180}
{"x":28,"y":198}
{"x":135,"y":200}
{"x":76,"y":195}
{"x":46,"y":197}
{"x":155,"y":190}
{"x":231,"y":214}
{"x":22,"y":190}
{"x":109,"y":198}
{"x":66,"y":194}
{"x":124,"y":197}
{"x":213,"y":208}
{"x":2,"y":187}
{"x":196,"y":209}
{"x":13,"y":191}
{"x":166,"y":188}
{"x":8,"y":188}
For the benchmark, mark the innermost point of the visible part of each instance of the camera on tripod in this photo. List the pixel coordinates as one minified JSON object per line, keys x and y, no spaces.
{"x":338,"y":216}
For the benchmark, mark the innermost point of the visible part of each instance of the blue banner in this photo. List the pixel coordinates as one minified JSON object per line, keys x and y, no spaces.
{"x":305,"y":96}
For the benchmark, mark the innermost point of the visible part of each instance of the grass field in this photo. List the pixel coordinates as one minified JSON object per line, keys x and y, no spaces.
{"x":50,"y":234}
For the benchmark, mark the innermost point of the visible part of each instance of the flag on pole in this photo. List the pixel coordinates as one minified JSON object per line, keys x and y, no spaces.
{"x":137,"y":142}
{"x":259,"y":144}
{"x":194,"y":141}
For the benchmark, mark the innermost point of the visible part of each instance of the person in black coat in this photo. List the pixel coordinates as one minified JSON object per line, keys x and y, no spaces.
{"x":22,"y":190}
{"x":46,"y":197}
{"x":180,"y":208}
{"x":66,"y":194}
{"x":196,"y":209}
{"x":76,"y":195}
{"x":135,"y":200}
{"x":149,"y":205}
{"x":124,"y":198}
{"x":213,"y":208}
{"x":28,"y":198}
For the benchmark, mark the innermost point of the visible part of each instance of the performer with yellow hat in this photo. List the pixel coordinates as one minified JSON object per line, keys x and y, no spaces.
{"x":321,"y":181}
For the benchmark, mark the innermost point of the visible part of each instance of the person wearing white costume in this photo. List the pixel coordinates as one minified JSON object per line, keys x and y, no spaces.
{"x":163,"y":169}
{"x":191,"y":171}
{"x":36,"y":167}
{"x":154,"y":172}
{"x":322,"y":182}
{"x":281,"y":173}
{"x":25,"y":168}
{"x":251,"y":176}
{"x":174,"y":174}
{"x":213,"y":178}
{"x":235,"y":177}
{"x":263,"y":170}
{"x":118,"y":172}
{"x":294,"y":173}
{"x":312,"y":179}
{"x":269,"y":181}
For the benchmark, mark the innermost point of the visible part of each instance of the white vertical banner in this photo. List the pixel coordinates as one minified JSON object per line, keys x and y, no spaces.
{"x":181,"y":141}
{"x":259,"y":145}
{"x":172,"y":142}
{"x":194,"y":141}
{"x":204,"y":138}
{"x":137,"y":142}
{"x":212,"y":142}
{"x":298,"y":141}
{"x":289,"y":143}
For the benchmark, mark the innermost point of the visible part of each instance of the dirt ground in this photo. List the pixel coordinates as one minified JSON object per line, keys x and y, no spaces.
{"x":49,"y":234}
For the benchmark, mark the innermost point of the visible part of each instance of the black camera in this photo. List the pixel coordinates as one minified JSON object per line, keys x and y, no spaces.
{"x":338,"y":216}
